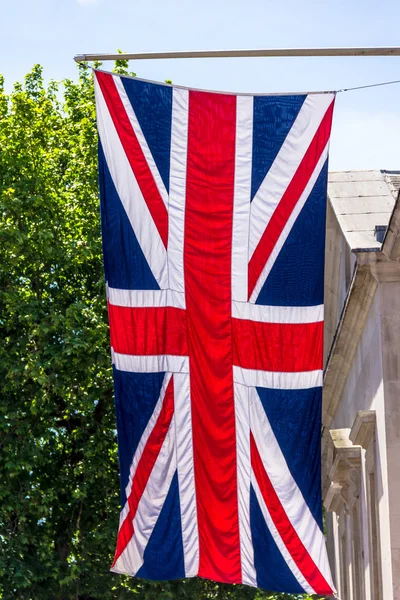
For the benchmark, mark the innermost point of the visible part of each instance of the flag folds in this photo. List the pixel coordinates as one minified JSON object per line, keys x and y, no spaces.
{"x":213,"y":223}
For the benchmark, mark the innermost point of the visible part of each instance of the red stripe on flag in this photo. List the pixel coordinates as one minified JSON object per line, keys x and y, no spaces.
{"x":148,"y":331}
{"x":281,"y":347}
{"x":207,"y":267}
{"x":145,"y":467}
{"x":285,"y":529}
{"x":289,"y":199}
{"x":134,"y":154}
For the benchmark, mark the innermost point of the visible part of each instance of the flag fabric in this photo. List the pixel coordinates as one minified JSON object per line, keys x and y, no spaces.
{"x":213,"y":223}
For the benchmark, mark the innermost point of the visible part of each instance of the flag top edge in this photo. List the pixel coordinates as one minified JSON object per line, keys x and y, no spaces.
{"x":192,"y":89}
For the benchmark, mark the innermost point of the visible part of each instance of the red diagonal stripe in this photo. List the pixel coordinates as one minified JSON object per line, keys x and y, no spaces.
{"x":281,"y":347}
{"x":145,"y":467}
{"x":289,"y":199}
{"x":148,"y":331}
{"x":134,"y":154}
{"x":285,"y":529}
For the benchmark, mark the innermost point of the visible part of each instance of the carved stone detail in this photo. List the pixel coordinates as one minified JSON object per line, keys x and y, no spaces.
{"x":344,"y":474}
{"x":363,"y":429}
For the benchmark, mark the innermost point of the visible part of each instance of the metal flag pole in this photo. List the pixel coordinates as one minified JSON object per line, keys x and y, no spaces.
{"x":266,"y":52}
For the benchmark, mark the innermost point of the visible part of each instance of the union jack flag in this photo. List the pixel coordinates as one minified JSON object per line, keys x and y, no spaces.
{"x":213,"y":223}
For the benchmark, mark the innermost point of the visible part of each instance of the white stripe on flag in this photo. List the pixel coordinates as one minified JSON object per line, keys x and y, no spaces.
{"x":158,"y":363}
{"x":286,"y":488}
{"x":278,"y":380}
{"x":145,"y":298}
{"x":129,"y":193}
{"x":177,"y":188}
{"x":277,"y":314}
{"x":141,"y":139}
{"x":146,"y":433}
{"x":249,"y":576}
{"x":289,"y":224}
{"x":150,"y":506}
{"x":286,"y":164}
{"x":241,"y":210}
{"x":187,"y":489}
{"x":278,"y":540}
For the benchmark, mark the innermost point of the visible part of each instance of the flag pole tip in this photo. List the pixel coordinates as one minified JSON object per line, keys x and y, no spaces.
{"x":80,"y":58}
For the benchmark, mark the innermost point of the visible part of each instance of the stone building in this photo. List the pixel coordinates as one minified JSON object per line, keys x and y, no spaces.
{"x":361,"y":399}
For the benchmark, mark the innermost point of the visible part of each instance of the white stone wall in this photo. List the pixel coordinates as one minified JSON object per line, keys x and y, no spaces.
{"x":339,"y":268}
{"x":373,"y":383}
{"x":364,"y":387}
{"x":361,"y":415}
{"x":390,"y":323}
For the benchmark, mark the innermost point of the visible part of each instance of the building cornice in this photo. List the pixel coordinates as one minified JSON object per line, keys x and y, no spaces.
{"x":372,"y":267}
{"x":355,"y":311}
{"x":333,"y":500}
{"x":363,"y":429}
{"x":391,"y":242}
{"x":343,"y":473}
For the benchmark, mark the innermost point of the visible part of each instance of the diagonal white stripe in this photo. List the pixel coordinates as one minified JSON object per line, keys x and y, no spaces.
{"x":149,"y":507}
{"x":277,"y":314}
{"x":187,"y":489}
{"x":249,"y":576}
{"x":141,"y":138}
{"x":177,"y":188}
{"x":286,"y":488}
{"x":145,"y":298}
{"x":278,"y":381}
{"x":286,"y":164}
{"x":146,"y":433}
{"x":278,"y":540}
{"x":289,"y":224}
{"x":241,"y":209}
{"x":130,"y":194}
{"x":158,"y":363}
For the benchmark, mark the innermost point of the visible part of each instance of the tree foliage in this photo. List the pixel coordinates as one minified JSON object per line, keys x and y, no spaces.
{"x":59,"y":490}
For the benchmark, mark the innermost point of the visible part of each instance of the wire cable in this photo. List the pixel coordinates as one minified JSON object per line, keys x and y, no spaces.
{"x":372,"y":85}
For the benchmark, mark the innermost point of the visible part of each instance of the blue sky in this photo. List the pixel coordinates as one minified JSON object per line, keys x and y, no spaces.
{"x":366,"y":129}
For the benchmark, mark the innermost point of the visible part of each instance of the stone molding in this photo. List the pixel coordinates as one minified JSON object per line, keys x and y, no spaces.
{"x":373,"y":267}
{"x":333,"y":500}
{"x":370,"y":458}
{"x":354,"y":315}
{"x":328,"y":454}
{"x":391,"y":242}
{"x":344,"y":474}
{"x":363,"y":429}
{"x":347,"y":459}
{"x":383,"y":268}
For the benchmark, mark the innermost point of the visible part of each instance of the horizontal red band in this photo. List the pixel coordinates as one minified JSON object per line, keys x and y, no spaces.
{"x":293,"y":543}
{"x":281,"y":347}
{"x":148,"y":331}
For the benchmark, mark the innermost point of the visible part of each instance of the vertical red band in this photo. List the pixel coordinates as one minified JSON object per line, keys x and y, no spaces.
{"x":207,"y":265}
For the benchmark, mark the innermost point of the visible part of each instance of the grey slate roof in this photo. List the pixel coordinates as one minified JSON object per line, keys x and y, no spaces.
{"x":362,"y":200}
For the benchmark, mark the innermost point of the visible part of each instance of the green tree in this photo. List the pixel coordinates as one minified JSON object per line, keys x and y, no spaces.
{"x":59,"y":490}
